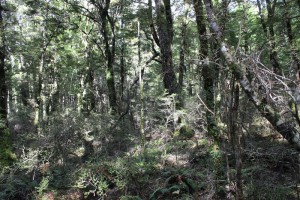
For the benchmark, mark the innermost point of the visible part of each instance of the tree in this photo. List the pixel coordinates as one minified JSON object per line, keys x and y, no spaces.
{"x":6,"y":155}
{"x":3,"y":87}
{"x":99,"y":14}
{"x":165,"y":34}
{"x":208,"y":70}
{"x":109,"y":51}
{"x":290,"y":36}
{"x":268,"y":28}
{"x":183,"y":52}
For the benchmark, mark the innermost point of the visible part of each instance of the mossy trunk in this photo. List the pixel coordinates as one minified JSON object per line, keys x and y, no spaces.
{"x":165,"y":34}
{"x":6,"y":155}
{"x":109,"y":53}
{"x":208,"y":70}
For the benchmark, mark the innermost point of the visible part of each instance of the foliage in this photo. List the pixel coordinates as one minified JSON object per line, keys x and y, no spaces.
{"x":128,"y":197}
{"x":91,"y":183}
{"x":7,"y":156}
{"x":15,"y":183}
{"x":257,"y":191}
{"x":43,"y":186}
{"x":175,"y":186}
{"x":184,"y":133}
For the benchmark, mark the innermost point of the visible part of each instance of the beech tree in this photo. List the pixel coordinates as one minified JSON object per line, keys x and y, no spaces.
{"x":3,"y":87}
{"x":6,"y":154}
{"x":165,"y":34}
{"x":208,"y":70}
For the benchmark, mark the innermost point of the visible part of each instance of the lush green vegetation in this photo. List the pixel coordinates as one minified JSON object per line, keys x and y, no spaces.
{"x":120,"y":99}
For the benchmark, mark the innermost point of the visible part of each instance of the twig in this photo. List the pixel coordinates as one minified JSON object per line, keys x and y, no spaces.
{"x":205,"y":105}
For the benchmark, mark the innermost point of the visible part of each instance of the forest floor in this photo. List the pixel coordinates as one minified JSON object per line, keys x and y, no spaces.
{"x":166,"y":168}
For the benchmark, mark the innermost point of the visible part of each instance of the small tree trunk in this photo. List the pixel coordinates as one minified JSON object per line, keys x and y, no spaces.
{"x":3,"y":87}
{"x":235,"y":134}
{"x":183,"y":48}
{"x":141,"y":83}
{"x":38,"y":88}
{"x":54,"y":97}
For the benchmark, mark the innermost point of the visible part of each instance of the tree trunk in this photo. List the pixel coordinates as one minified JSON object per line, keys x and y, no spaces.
{"x":208,"y":70}
{"x":3,"y":86}
{"x":165,"y":34}
{"x":89,"y":102}
{"x":54,"y":96}
{"x":122,"y":64}
{"x":293,"y":51}
{"x":273,"y":51}
{"x":262,"y":18}
{"x":153,"y":31}
{"x":269,"y":25}
{"x":235,"y":134}
{"x":141,"y":83}
{"x":6,"y":155}
{"x":182,"y":53}
{"x":39,"y":99}
{"x":109,"y":53}
{"x":284,"y":126}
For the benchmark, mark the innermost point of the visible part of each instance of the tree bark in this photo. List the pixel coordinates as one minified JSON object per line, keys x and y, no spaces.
{"x":89,"y":102}
{"x":39,"y":99}
{"x":106,"y":28}
{"x":272,"y":43}
{"x":165,"y":35}
{"x":236,"y":137}
{"x":153,"y":31}
{"x":3,"y":86}
{"x":262,"y":19}
{"x":182,"y":53}
{"x":284,"y":126}
{"x":269,"y":26}
{"x":109,"y":44}
{"x":208,"y":70}
{"x":6,"y":155}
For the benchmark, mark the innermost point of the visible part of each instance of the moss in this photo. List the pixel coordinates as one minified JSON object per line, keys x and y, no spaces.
{"x":292,"y":106}
{"x":108,"y":75}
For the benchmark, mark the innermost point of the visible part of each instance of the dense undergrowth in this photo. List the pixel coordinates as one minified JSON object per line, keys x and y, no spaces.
{"x":100,"y":157}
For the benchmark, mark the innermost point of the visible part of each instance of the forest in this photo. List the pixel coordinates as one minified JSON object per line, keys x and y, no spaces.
{"x":142,"y":99}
